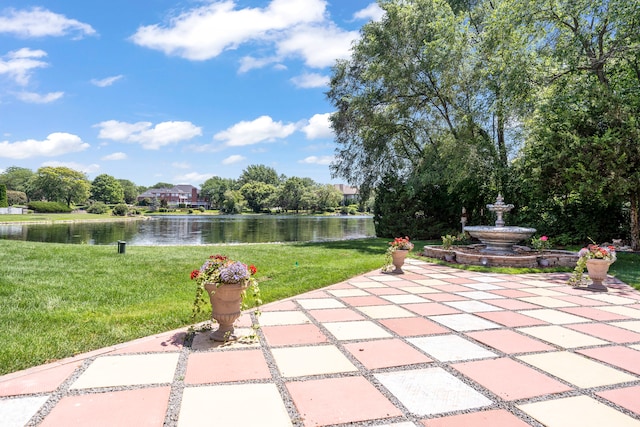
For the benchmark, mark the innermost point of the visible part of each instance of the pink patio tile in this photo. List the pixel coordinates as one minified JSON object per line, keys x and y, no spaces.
{"x":593,"y":313}
{"x":452,"y":288}
{"x":171,"y":342}
{"x":314,"y":294}
{"x":623,"y":357}
{"x":513,"y":304}
{"x":509,"y":342}
{"x":335,"y":315}
{"x":280,"y":306}
{"x":343,"y":285}
{"x":226,"y":366}
{"x":510,"y":318}
{"x":339,"y":401}
{"x":607,"y":332}
{"x":42,"y":380}
{"x":515,"y":381}
{"x":457,"y":281}
{"x":413,"y":326}
{"x":365,"y":301}
{"x":386,"y":291}
{"x":493,"y":418}
{"x":445,"y":297}
{"x":514,"y":284}
{"x":512,"y":293}
{"x":431,"y":308}
{"x":135,"y":408}
{"x":280,"y":335}
{"x":626,"y":397}
{"x":386,"y":353}
{"x":579,"y":300}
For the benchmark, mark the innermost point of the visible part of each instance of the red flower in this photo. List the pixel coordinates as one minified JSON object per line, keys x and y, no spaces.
{"x":195,"y":274}
{"x":252,"y":269}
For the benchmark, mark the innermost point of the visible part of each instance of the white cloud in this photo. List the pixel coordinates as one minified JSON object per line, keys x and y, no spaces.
{"x":18,"y":64}
{"x":205,"y":32}
{"x":318,"y":126}
{"x":75,"y":166}
{"x":249,"y":63}
{"x":55,"y":144}
{"x":372,"y":12}
{"x":317,"y":160}
{"x":261,"y":129}
{"x":39,"y":22}
{"x":319,"y":45}
{"x":233,"y":159}
{"x":115,"y":156}
{"x":192,"y":177}
{"x":310,"y":80}
{"x":149,"y":136}
{"x":107,"y":81}
{"x":36,"y":98}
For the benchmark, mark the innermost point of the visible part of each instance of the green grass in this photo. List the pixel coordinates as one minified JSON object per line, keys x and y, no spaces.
{"x":59,"y":300}
{"x":57,"y":217}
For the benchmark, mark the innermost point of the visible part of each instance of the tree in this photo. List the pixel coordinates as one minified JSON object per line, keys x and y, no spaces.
{"x":3,"y":196}
{"x":130,"y":189}
{"x":584,"y":136}
{"x":59,"y":184}
{"x":16,"y":178}
{"x":233,"y":202}
{"x":257,"y":194}
{"x":214,"y":190}
{"x":409,"y":104}
{"x":292,"y":193}
{"x":259,"y":173}
{"x":107,"y":189}
{"x":327,"y":196}
{"x":162,"y":185}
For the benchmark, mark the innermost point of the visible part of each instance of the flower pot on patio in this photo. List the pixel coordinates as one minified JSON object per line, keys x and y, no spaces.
{"x":398,"y":257}
{"x":597,"y":269}
{"x":226,"y":302}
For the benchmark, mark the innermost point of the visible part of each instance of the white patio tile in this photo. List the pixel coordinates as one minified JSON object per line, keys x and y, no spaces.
{"x":356,"y":330}
{"x":473,"y":306}
{"x":316,"y":303}
{"x":464,"y":322}
{"x":450,"y":348}
{"x":16,"y":412}
{"x":479,"y":295}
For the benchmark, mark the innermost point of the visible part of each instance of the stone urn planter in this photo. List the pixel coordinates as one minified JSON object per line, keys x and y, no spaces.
{"x":597,"y":270}
{"x":226,"y":303}
{"x":398,"y":257}
{"x":450,"y":256}
{"x":543,"y":262}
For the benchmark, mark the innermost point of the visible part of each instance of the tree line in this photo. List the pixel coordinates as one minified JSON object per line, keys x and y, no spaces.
{"x":444,"y":104}
{"x":259,"y":188}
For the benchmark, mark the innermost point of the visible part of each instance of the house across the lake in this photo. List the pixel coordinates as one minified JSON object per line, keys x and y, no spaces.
{"x":179,"y":195}
{"x":350,"y":195}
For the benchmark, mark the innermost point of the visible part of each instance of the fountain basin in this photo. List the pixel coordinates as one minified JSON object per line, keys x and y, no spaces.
{"x":499,"y":240}
{"x":522,"y":257}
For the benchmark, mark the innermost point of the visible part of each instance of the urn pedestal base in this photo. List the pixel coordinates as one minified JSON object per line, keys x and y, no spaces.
{"x":597,"y":269}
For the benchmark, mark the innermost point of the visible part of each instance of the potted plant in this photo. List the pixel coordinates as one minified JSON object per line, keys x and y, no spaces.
{"x":226,"y":282}
{"x":541,"y":244}
{"x":596,"y":259}
{"x":447,"y":242}
{"x":396,"y":253}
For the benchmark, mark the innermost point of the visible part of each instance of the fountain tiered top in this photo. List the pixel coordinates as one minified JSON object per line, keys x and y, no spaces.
{"x":499,"y":239}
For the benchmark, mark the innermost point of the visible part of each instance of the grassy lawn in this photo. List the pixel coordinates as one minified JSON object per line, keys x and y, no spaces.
{"x":59,"y":217}
{"x":60,"y":300}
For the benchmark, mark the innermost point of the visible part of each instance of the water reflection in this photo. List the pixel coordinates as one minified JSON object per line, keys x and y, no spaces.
{"x":197,"y":230}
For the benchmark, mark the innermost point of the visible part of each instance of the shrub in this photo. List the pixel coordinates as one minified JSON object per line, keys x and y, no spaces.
{"x":16,"y":198}
{"x":98,"y":208}
{"x":120,"y":210}
{"x":201,"y":209}
{"x":49,"y":207}
{"x":3,"y":196}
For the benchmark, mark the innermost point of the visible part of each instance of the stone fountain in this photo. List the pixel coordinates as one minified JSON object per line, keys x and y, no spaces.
{"x":499,"y":239}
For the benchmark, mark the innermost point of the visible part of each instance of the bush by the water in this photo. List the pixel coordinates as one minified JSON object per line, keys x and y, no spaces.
{"x":49,"y":207}
{"x":120,"y":210}
{"x":98,"y":208}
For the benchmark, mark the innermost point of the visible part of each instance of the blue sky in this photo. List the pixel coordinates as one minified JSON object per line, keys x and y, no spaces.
{"x":172,"y":90}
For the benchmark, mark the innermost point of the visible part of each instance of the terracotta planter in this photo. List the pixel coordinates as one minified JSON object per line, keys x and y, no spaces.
{"x":398,"y":257}
{"x":226,"y":302}
{"x":597,"y":269}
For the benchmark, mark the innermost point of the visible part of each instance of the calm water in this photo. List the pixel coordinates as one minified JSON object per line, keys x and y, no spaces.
{"x":198,"y":230}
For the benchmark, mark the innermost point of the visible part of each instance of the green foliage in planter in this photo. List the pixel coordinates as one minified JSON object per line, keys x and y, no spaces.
{"x":49,"y":207}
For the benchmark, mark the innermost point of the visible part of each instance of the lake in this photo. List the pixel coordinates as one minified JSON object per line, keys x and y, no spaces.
{"x":197,"y":230}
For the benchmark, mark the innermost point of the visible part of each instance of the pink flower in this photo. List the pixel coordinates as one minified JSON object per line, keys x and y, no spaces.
{"x":544,"y":238}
